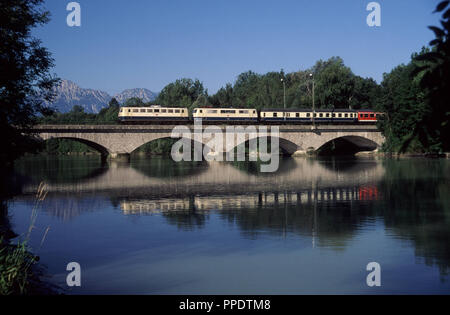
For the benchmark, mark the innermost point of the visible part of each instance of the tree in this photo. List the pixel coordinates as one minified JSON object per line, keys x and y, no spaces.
{"x":365,"y":93}
{"x":201,"y":101}
{"x":182,"y":92}
{"x":109,"y":115}
{"x":245,"y":89}
{"x":223,"y":97}
{"x":434,"y":66}
{"x":335,"y":83}
{"x":24,"y":74}
{"x":133,"y":102}
{"x":404,"y":105}
{"x":113,"y":103}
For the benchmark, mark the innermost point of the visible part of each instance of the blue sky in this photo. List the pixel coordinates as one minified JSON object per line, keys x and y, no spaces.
{"x":150,"y":43}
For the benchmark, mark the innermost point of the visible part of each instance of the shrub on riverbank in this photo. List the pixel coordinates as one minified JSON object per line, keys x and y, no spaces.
{"x":16,"y":269}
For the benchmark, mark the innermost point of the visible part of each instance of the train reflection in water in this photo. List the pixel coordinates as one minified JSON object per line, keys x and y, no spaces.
{"x":204,"y":204}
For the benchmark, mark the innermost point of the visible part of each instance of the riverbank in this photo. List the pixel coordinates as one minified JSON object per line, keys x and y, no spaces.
{"x":404,"y":155}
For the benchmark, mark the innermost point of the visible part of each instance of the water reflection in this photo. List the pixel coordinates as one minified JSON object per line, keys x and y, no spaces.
{"x":330,"y":215}
{"x":164,"y":178}
{"x":60,"y":169}
{"x":329,"y":202}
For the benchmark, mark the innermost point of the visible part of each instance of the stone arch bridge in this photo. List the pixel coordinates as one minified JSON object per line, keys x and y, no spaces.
{"x":119,"y":141}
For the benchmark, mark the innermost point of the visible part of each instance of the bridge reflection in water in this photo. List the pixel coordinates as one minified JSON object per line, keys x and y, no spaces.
{"x":205,"y":204}
{"x":145,"y":179}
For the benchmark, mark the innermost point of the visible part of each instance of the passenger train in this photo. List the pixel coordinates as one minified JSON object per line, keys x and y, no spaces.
{"x":160,"y":114}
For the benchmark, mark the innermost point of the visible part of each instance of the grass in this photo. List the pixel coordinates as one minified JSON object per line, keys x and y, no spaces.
{"x":18,"y":272}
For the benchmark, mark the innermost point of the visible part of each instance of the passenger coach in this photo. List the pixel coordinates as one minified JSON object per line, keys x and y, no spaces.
{"x":307,"y":115}
{"x":368,"y":116}
{"x":226,"y":114}
{"x":153,"y":113}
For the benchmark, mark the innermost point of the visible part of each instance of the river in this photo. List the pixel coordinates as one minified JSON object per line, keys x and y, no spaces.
{"x":153,"y":226}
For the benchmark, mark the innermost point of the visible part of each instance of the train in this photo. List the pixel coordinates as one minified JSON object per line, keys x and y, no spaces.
{"x":163,"y":114}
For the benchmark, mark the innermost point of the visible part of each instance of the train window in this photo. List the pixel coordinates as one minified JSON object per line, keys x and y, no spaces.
{"x":339,"y":115}
{"x":366,"y":115}
{"x":333,"y":115}
{"x":315,"y":115}
{"x":170,"y":110}
{"x":163,"y":111}
{"x":149,"y":110}
{"x":177,"y":110}
{"x":328,"y":115}
{"x":201,"y":111}
{"x":143,"y":110}
{"x":121,"y":110}
{"x":243,"y":112}
{"x":135,"y":110}
{"x":346,"y":115}
{"x":195,"y":111}
{"x":320,"y":115}
{"x":264,"y":115}
{"x":254,"y":112}
{"x":372,"y":115}
{"x":297,"y":115}
{"x":308,"y":114}
{"x":274,"y":114}
{"x":212,"y":111}
{"x":156,"y":110}
{"x":129,"y":110}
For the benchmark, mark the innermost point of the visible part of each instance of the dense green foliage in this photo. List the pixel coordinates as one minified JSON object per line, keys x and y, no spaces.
{"x":434,"y":66}
{"x":403,"y":101}
{"x":416,"y":97}
{"x":335,"y":86}
{"x":24,"y":73}
{"x":184,"y":93}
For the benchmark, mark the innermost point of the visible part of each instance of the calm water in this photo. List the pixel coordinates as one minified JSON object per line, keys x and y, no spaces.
{"x":158,"y":227}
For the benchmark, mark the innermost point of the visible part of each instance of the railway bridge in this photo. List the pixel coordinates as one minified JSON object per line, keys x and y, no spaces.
{"x":119,"y":141}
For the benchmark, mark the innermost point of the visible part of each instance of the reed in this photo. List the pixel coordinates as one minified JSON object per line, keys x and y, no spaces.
{"x":17,"y":275}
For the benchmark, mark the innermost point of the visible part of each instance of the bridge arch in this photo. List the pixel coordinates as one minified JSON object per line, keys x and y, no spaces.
{"x":94,"y":145}
{"x":286,"y":146}
{"x":194,"y":144}
{"x":349,"y":144}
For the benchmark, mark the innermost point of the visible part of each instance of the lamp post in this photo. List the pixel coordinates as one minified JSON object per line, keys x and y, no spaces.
{"x":284,"y":97}
{"x":313,"y":101}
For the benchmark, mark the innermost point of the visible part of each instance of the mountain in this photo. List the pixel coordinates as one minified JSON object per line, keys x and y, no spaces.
{"x":144,"y":94}
{"x":69,"y":94}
